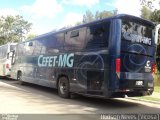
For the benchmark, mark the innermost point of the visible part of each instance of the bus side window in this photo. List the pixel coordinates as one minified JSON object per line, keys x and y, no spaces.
{"x":60,"y":41}
{"x":3,"y":51}
{"x":21,"y":49}
{"x":75,"y":40}
{"x":74,"y":34}
{"x":29,"y":47}
{"x":98,"y":36}
{"x":53,"y":44}
{"x":37,"y":47}
{"x":43,"y":50}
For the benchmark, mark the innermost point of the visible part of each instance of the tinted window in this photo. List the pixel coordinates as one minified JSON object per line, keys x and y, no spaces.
{"x":98,"y":35}
{"x":28,"y":48}
{"x":137,"y":33}
{"x":3,"y":51}
{"x":74,"y":34}
{"x":37,"y":47}
{"x":60,"y":40}
{"x":21,"y":49}
{"x":158,"y":45}
{"x":12,"y":47}
{"x":52,"y":43}
{"x":75,"y":40}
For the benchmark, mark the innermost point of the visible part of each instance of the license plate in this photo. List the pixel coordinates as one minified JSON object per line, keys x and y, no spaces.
{"x":139,"y":83}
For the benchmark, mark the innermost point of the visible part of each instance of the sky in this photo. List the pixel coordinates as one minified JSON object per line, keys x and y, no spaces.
{"x":48,"y":15}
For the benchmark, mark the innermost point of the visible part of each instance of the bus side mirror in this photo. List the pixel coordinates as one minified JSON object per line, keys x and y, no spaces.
{"x":157,"y":28}
{"x":8,"y":55}
{"x":13,"y":57}
{"x":30,"y":44}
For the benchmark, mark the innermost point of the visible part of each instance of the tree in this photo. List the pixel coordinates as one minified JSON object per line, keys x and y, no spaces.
{"x":158,"y":57}
{"x":103,"y":14}
{"x":146,"y":13}
{"x":30,"y":36}
{"x":148,"y":3}
{"x":89,"y":16}
{"x":13,"y":29}
{"x":154,"y":16}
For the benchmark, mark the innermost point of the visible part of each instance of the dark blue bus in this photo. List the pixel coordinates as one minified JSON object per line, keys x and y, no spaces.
{"x":107,"y":58}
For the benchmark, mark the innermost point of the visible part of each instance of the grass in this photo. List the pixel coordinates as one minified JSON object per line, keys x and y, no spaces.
{"x":156,"y":95}
{"x":157,"y":89}
{"x":157,"y":79}
{"x":154,"y":98}
{"x":149,"y":98}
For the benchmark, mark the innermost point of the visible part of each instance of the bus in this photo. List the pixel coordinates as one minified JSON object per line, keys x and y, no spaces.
{"x":157,"y":39}
{"x":6,"y":58}
{"x":107,"y":58}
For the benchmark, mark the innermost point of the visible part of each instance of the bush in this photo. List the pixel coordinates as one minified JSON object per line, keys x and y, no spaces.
{"x":158,"y":58}
{"x":157,"y":79}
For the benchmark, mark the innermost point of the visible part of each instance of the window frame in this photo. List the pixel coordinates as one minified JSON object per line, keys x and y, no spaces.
{"x":103,"y":23}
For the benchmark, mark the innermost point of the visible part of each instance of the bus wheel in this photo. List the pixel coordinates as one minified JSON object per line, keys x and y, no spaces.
{"x":19,"y":78}
{"x":63,"y":87}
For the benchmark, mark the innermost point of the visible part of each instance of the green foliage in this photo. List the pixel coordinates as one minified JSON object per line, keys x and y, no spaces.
{"x":157,"y":88}
{"x":147,"y":3}
{"x":158,"y":58}
{"x":89,"y":16}
{"x":155,"y":16}
{"x":157,"y":79}
{"x":30,"y":36}
{"x":13,"y":29}
{"x":103,"y":14}
{"x":146,"y":13}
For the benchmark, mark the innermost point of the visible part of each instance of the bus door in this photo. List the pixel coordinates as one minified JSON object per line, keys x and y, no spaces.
{"x":137,"y":55}
{"x":157,"y":40}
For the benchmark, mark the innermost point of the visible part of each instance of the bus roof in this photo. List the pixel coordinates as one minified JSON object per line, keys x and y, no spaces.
{"x":119,"y":16}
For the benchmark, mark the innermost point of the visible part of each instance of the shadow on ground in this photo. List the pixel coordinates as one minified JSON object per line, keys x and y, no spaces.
{"x":38,"y":94}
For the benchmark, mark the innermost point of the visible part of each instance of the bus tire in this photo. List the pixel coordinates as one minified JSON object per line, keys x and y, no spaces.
{"x":19,"y":78}
{"x":63,"y":87}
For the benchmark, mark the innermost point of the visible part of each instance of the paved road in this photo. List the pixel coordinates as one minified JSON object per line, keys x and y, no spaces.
{"x":33,"y":99}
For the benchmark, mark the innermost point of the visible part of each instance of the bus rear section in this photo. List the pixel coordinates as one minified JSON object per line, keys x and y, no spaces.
{"x":5,"y":68}
{"x":135,"y":64}
{"x":6,"y":56}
